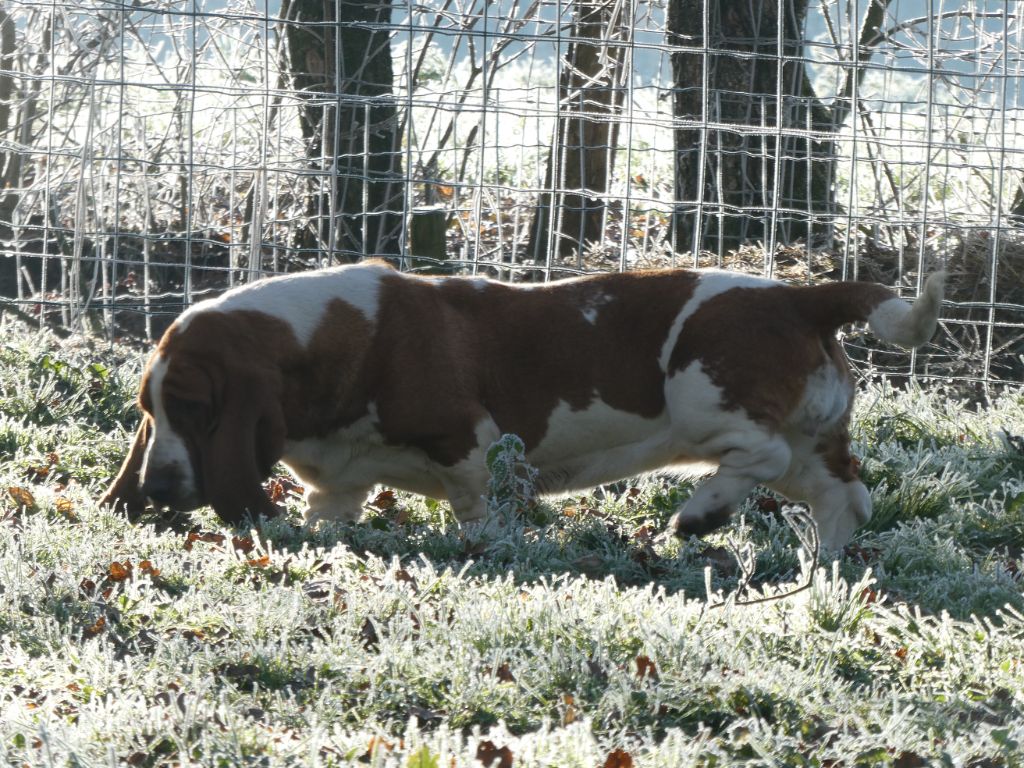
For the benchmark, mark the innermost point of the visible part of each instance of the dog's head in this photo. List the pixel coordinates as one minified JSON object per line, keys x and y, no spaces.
{"x":212,"y":426}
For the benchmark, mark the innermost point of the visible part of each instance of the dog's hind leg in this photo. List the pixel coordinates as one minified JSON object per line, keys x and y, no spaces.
{"x":746,"y":460}
{"x":824,"y":474}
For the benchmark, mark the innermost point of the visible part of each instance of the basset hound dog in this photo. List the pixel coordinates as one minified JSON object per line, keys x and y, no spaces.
{"x":362,"y":375}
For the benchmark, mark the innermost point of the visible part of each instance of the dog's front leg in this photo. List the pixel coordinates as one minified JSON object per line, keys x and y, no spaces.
{"x":343,"y":504}
{"x":468,"y":506}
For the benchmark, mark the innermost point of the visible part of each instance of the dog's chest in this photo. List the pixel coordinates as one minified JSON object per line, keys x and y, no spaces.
{"x":357,"y":456}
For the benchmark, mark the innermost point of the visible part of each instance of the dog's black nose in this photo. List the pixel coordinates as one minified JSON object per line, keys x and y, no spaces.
{"x":169,"y":486}
{"x":159,"y":488}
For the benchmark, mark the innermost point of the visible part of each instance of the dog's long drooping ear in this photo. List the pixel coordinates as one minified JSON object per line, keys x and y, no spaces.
{"x":125,"y":492}
{"x":241,"y":452}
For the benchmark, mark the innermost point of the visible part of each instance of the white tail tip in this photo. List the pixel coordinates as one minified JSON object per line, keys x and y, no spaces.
{"x":908,"y":325}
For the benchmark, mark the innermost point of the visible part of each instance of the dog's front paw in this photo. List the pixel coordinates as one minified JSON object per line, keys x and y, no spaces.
{"x":331,"y":507}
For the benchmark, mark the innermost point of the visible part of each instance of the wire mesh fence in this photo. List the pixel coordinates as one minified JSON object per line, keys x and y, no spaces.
{"x":157,"y":152}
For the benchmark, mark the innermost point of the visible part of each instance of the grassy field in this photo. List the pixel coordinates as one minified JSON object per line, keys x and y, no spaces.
{"x":576,"y":636}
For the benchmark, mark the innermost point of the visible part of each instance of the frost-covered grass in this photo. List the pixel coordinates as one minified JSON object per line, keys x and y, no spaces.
{"x":575,"y":636}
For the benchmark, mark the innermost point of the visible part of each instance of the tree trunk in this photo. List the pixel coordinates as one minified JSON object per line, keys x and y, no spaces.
{"x":726,"y":176}
{"x":354,"y":126}
{"x":570,"y":213}
{"x":20,"y":97}
{"x":9,"y":161}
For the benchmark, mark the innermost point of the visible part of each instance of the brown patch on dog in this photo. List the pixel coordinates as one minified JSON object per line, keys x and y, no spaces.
{"x":835,"y":453}
{"x":328,"y":384}
{"x":779,"y":350}
{"x":515,"y":353}
{"x":835,"y":447}
{"x":785,"y":333}
{"x":831,"y":305}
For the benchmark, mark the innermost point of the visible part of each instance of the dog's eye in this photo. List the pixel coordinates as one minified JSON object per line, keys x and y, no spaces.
{"x":198,"y":416}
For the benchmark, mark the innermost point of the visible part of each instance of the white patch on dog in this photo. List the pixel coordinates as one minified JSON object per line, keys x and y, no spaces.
{"x":340,"y":469}
{"x":592,"y":307}
{"x":166,"y":449}
{"x":702,"y":428}
{"x":597,"y":444}
{"x":908,"y":325}
{"x":712,"y":282}
{"x":301,"y":299}
{"x":826,"y":398}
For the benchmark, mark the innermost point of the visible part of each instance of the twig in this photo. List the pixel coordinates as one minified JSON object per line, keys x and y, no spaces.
{"x":806,"y":530}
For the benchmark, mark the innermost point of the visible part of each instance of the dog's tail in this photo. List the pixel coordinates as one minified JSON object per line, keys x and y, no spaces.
{"x":888,"y":316}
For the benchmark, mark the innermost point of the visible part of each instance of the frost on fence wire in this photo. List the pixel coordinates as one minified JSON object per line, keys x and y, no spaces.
{"x":155,"y":154}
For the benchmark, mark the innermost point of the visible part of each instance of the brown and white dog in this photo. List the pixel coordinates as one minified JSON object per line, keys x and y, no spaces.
{"x":360,"y":375}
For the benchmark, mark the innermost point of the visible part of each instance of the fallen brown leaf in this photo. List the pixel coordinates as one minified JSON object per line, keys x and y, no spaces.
{"x":98,"y":626}
{"x":119,"y":571}
{"x":404,"y":576}
{"x":280,"y":488}
{"x":375,"y":744}
{"x":243,"y":544}
{"x":66,"y":507}
{"x":209,"y":538}
{"x":22,"y":496}
{"x":384,"y":500}
{"x":487,"y":753}
{"x":618,"y":758}
{"x":645,"y":668}
{"x":570,"y":710}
